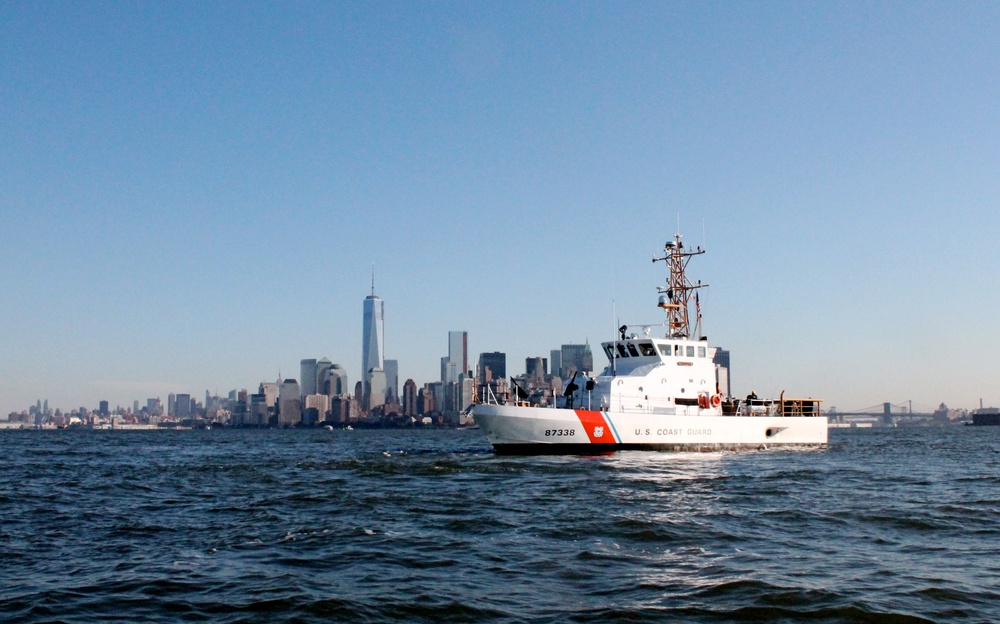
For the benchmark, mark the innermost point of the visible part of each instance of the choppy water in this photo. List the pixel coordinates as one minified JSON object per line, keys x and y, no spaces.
{"x":315,"y":526}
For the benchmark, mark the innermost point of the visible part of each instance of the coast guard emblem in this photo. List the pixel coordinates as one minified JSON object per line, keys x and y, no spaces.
{"x":598,"y":432}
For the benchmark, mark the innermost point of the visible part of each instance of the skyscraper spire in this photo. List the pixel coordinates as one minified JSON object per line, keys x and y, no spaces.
{"x":373,"y":279}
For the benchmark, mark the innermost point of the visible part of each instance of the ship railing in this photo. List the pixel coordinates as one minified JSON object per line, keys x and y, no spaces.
{"x":489,"y":397}
{"x":758,"y":407}
{"x":801,"y":407}
{"x":624,"y":403}
{"x":639,"y":404}
{"x":778,"y":407}
{"x":629,"y":404}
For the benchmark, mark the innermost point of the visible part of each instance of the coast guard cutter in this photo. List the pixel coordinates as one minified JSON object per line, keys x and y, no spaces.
{"x":656,"y":393}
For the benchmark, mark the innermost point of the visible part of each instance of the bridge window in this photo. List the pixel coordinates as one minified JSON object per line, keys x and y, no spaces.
{"x":647,"y":348}
{"x":665,"y":350}
{"x":632,"y":350}
{"x":690,"y":351}
{"x":622,"y":351}
{"x":609,"y":350}
{"x":702,"y":352}
{"x":678,"y":351}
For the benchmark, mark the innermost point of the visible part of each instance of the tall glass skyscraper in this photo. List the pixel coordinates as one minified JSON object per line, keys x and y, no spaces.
{"x":372,"y":354}
{"x":307,"y":377}
{"x":458,"y":356}
{"x":495,"y":364}
{"x":391,"y":379}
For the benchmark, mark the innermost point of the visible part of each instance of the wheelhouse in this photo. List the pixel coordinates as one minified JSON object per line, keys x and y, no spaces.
{"x":655,"y":349}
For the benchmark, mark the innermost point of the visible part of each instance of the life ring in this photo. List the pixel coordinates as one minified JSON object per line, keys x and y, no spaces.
{"x":703,"y":400}
{"x":716,"y":400}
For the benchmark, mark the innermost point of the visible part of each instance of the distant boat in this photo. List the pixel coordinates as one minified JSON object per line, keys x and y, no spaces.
{"x":656,"y":393}
{"x":986,"y":417}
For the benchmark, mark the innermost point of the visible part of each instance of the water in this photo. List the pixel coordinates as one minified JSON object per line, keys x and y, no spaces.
{"x":895,"y":525}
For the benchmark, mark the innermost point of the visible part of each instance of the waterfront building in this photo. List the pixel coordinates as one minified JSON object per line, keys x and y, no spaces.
{"x":501,"y":388}
{"x":457,"y":361}
{"x":270,"y":390}
{"x":319,"y":402}
{"x":466,"y":396}
{"x":449,"y":372}
{"x":492,"y":366}
{"x":240,"y":414}
{"x":575,"y":358}
{"x":425,"y":401}
{"x":536,"y":368}
{"x":410,"y":398}
{"x":258,"y":415}
{"x":182,"y":406}
{"x":391,"y":381}
{"x":458,"y":351}
{"x":376,"y":389}
{"x":335,"y":381}
{"x":322,"y":367}
{"x":435,"y":400}
{"x":721,"y":360}
{"x":372,"y":338}
{"x":307,"y":376}
{"x":289,"y":403}
{"x":555,"y":359}
{"x":492,"y":374}
{"x":343,"y":409}
{"x":316,"y":408}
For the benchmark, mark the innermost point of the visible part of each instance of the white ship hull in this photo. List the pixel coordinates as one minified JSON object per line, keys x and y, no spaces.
{"x":531,"y":430}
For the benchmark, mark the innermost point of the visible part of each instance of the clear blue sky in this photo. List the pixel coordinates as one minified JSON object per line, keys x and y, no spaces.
{"x":192,"y":194}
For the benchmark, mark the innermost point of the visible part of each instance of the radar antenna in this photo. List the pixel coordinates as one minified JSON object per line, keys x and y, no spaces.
{"x":678,"y":293}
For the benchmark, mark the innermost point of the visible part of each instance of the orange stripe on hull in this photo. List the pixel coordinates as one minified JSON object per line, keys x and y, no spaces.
{"x":596,"y":427}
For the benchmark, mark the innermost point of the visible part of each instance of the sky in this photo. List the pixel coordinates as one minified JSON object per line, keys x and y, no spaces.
{"x":193,"y":194}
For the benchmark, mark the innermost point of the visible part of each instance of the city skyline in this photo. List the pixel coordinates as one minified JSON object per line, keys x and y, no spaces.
{"x":330,"y":378}
{"x":193,"y":195}
{"x":287,"y":401}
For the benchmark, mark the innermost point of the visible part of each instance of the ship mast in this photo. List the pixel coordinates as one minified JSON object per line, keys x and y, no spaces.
{"x":679,"y":291}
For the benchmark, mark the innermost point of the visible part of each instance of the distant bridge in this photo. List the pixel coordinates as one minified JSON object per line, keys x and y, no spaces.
{"x":886,"y":411}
